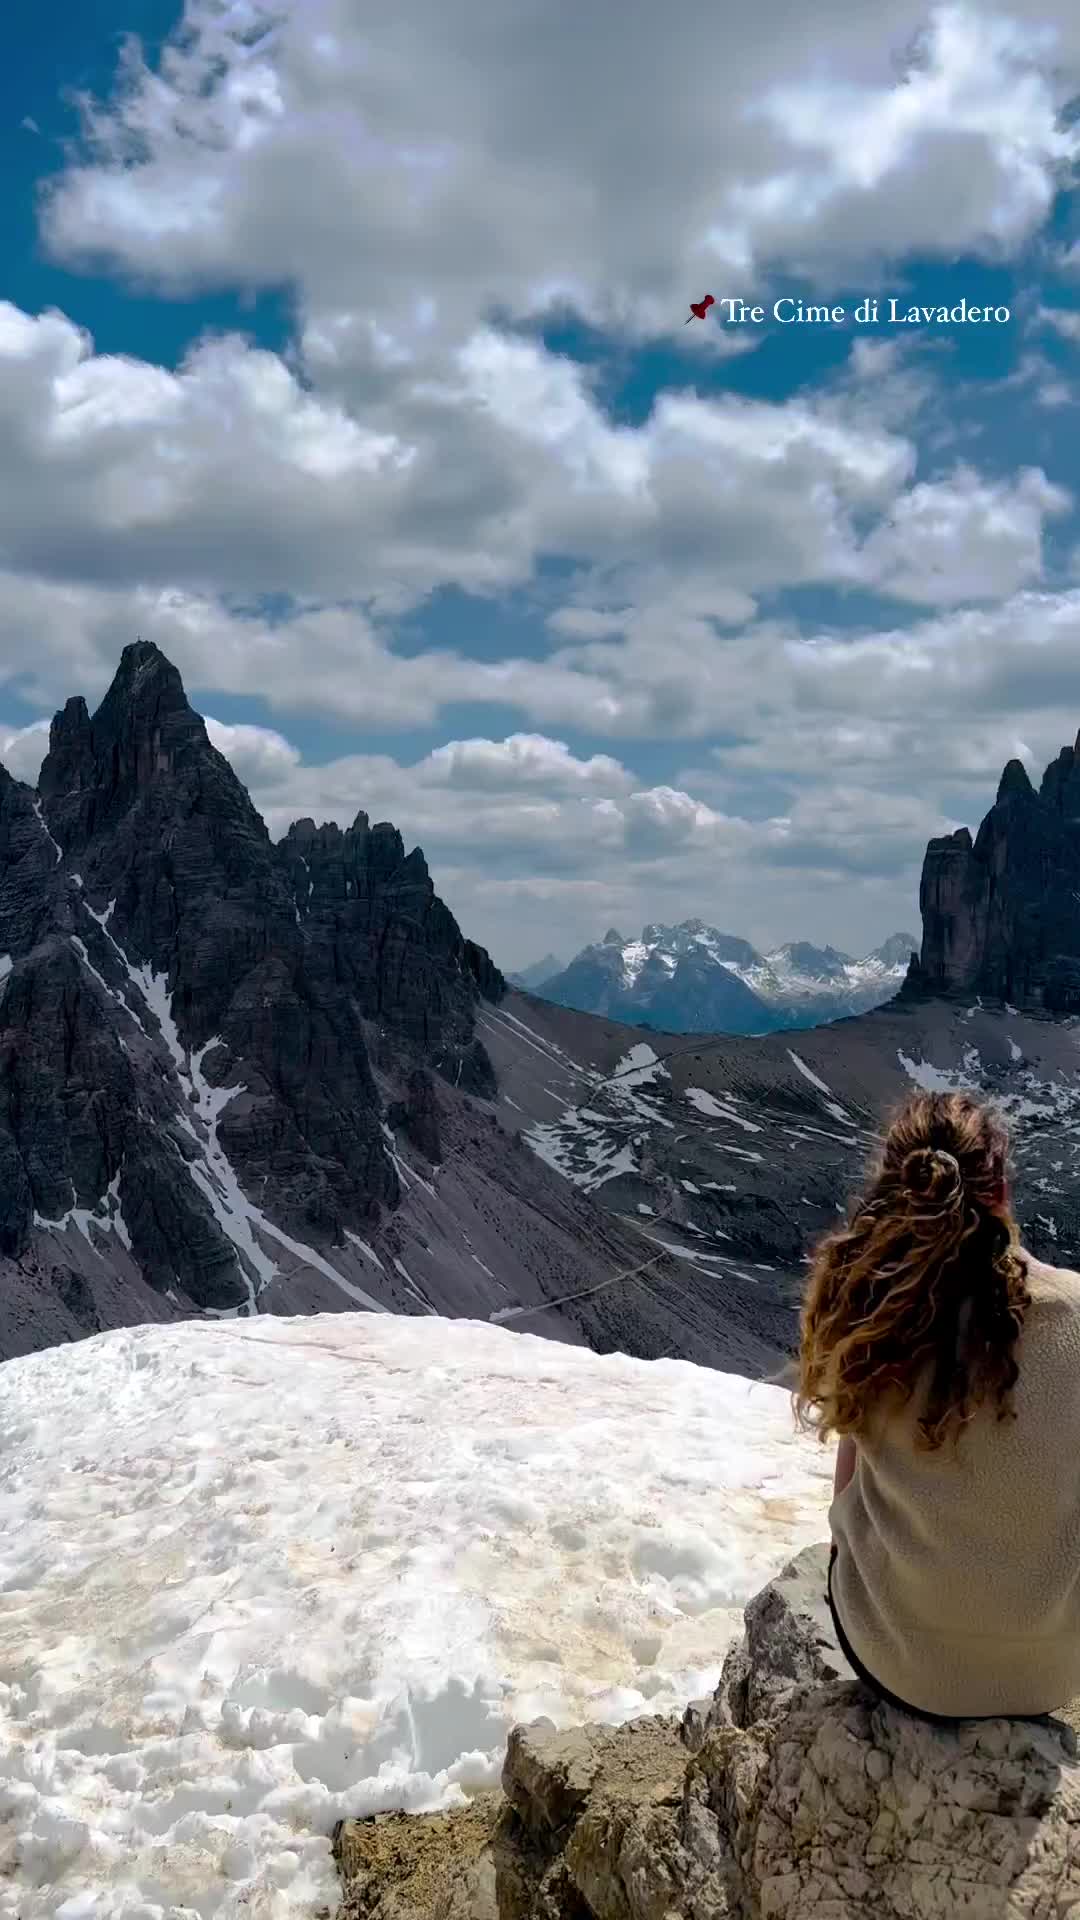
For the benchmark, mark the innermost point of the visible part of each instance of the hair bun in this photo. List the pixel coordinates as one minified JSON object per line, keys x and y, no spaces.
{"x":932,"y":1174}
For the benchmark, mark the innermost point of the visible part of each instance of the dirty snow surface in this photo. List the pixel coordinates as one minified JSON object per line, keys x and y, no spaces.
{"x":260,"y":1575}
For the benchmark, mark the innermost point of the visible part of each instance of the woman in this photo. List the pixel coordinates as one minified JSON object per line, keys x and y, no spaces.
{"x":948,"y":1361}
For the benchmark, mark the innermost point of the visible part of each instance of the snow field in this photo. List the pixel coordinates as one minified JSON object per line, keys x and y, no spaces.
{"x":258,"y":1575}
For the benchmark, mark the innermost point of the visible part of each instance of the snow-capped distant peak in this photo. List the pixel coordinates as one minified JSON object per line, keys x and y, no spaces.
{"x":635,"y":953}
{"x":692,"y":977}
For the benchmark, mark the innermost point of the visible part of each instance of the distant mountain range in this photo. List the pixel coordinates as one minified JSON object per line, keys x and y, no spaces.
{"x":532,"y":977}
{"x":691,"y":978}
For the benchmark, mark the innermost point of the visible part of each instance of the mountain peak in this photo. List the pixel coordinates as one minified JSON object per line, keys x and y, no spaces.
{"x":1001,"y":914}
{"x":896,"y":950}
{"x":158,"y":941}
{"x":147,"y":688}
{"x":143,"y":730}
{"x":613,"y":938}
{"x":1015,"y":781}
{"x":143,"y":659}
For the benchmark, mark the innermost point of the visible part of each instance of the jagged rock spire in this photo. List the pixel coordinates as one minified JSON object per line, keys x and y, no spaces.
{"x":152,"y":924}
{"x":1001,"y":915}
{"x":1015,"y":782}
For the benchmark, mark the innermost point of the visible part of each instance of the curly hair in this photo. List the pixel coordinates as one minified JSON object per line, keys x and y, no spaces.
{"x":926,"y":1281}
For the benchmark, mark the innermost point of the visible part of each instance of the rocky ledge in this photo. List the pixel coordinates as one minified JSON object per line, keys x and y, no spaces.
{"x":790,"y":1793}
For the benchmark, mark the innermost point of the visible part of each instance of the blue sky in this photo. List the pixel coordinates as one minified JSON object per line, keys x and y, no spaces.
{"x":343,"y":354}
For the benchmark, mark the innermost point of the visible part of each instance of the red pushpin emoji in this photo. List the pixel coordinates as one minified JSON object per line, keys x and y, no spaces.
{"x":699,"y":308}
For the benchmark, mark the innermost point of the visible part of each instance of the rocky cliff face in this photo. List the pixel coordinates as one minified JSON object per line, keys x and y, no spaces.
{"x":192,"y":1019}
{"x":1001,"y":914}
{"x":792,"y":1795}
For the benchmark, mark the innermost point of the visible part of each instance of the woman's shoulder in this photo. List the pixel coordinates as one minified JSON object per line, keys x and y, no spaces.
{"x":1052,"y":1283}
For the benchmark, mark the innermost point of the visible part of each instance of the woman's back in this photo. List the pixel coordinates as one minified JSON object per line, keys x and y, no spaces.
{"x":957,"y":1576}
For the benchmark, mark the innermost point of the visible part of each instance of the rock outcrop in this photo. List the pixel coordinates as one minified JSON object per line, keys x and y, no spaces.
{"x":792,"y":1795}
{"x":1001,"y":914}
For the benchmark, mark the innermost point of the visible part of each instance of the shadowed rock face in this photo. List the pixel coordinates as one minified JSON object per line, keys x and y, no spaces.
{"x":1001,"y":915}
{"x":375,"y":926}
{"x":158,"y":953}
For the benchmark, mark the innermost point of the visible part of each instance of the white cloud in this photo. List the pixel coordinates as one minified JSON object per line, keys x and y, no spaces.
{"x":229,"y":478}
{"x":969,"y":144}
{"x":965,"y":538}
{"x":461,"y":161}
{"x":522,"y":760}
{"x":1063,"y":320}
{"x":510,"y":853}
{"x":418,"y":178}
{"x":260,"y":757}
{"x":22,"y":750}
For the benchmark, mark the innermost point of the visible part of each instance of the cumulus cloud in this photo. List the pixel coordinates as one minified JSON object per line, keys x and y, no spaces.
{"x":473,"y":143}
{"x":260,"y":757}
{"x":522,"y":760}
{"x":229,"y":479}
{"x":22,"y":750}
{"x":964,"y":538}
{"x":470,"y":175}
{"x":507,"y":851}
{"x":230,"y":476}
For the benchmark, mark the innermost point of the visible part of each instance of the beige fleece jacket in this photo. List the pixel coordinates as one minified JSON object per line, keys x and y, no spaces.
{"x":957,"y":1578}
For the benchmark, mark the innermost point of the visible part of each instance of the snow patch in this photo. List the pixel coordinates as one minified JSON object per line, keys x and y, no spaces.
{"x":118,"y":1223}
{"x":416,"y":1291}
{"x":830,"y":1105}
{"x":638,"y":1068}
{"x":368,"y":1252}
{"x":582,"y":1151}
{"x":808,"y":1073}
{"x":80,"y":948}
{"x":45,"y":831}
{"x":937,"y":1079}
{"x":715,"y":1109}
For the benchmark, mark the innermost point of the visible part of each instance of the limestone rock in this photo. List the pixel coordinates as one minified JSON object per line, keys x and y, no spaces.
{"x":801,"y":1798}
{"x":789,"y":1642}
